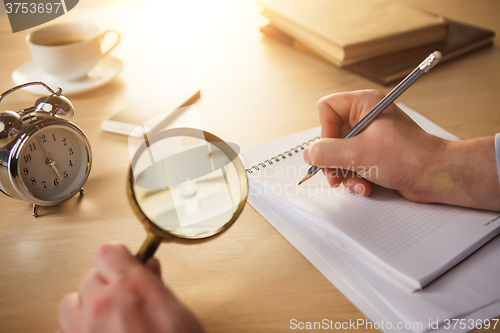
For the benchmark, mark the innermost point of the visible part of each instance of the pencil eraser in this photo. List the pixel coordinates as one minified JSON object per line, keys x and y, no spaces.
{"x":437,"y":55}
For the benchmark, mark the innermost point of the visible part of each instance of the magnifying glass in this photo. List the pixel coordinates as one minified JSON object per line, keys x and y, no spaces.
{"x":185,"y":183}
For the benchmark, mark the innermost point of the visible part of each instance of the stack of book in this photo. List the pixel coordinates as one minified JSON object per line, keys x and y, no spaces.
{"x":382,"y":40}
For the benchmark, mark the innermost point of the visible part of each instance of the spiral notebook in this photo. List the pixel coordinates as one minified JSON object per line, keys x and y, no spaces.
{"x":409,"y":243}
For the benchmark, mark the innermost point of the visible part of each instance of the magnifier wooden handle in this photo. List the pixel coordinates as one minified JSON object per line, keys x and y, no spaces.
{"x":148,"y":248}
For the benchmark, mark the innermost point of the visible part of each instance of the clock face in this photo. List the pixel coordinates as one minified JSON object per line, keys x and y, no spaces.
{"x":54,"y":163}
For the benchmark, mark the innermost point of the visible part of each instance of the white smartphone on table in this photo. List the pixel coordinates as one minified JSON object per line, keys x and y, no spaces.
{"x":159,"y":103}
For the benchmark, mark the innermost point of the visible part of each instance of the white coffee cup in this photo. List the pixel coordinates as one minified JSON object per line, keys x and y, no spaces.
{"x":68,"y":51}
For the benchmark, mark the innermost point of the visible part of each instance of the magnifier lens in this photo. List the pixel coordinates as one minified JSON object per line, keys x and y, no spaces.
{"x":188,"y":185}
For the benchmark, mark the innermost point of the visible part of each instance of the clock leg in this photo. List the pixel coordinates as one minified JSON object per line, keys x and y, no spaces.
{"x":35,"y":210}
{"x":82,"y":190}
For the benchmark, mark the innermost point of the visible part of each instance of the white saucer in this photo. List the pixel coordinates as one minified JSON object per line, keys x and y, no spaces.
{"x":105,"y":70}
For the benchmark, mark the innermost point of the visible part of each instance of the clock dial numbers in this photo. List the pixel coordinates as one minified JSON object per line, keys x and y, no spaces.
{"x":50,"y":161}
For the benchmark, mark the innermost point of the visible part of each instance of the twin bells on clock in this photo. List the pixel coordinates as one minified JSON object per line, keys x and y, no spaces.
{"x":11,"y":122}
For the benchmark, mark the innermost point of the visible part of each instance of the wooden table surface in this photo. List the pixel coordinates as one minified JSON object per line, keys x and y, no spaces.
{"x":253,"y":89}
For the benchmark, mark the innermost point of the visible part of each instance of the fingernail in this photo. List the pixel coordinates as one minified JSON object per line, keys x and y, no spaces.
{"x":307,"y":159}
{"x":359,"y":189}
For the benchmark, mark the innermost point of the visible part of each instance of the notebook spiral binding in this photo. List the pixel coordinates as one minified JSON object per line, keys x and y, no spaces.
{"x":283,"y":156}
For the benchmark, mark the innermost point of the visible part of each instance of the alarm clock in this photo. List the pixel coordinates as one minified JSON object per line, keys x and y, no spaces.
{"x":44,"y":158}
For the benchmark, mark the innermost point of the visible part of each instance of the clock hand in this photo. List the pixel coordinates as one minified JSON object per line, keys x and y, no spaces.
{"x":50,"y":161}
{"x":43,"y":148}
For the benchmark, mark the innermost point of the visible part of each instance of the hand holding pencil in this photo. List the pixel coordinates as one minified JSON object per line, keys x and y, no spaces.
{"x":420,"y":70}
{"x":394,"y":152}
{"x":389,"y":152}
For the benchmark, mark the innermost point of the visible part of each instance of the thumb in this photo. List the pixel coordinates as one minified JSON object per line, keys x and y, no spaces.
{"x":154,"y":265}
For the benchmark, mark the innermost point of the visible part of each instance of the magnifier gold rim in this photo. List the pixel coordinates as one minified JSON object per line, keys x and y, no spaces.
{"x":149,"y":225}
